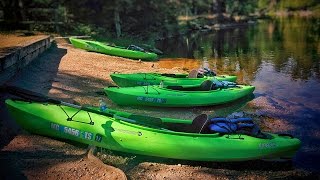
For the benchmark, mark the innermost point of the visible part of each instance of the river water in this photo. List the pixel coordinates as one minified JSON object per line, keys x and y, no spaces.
{"x":280,"y":57}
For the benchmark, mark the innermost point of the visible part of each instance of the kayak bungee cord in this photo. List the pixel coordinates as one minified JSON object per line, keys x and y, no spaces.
{"x":146,"y":90}
{"x":71,"y":118}
{"x":145,"y":76}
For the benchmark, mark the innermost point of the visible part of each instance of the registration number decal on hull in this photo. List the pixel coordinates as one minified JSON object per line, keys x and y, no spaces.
{"x":72,"y":131}
{"x":144,"y":83}
{"x":152,"y":100}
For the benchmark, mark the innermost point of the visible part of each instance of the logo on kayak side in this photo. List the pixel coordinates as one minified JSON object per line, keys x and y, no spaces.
{"x":144,"y":83}
{"x":267,"y":145}
{"x":72,"y":131}
{"x":92,"y":47}
{"x":129,"y":132}
{"x":152,"y":100}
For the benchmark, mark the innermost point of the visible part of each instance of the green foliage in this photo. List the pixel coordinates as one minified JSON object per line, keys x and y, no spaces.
{"x":239,"y":7}
{"x":263,"y":4}
{"x":295,"y":4}
{"x":139,"y":18}
{"x":316,"y":10}
{"x":136,"y":17}
{"x":83,"y":29}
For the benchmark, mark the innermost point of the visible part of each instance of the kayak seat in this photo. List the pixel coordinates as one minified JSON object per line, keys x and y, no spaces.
{"x":206,"y":85}
{"x":200,"y":124}
{"x":193,"y":73}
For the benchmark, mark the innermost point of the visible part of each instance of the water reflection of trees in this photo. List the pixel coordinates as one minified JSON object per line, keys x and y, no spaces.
{"x":299,"y":56}
{"x":290,"y":45}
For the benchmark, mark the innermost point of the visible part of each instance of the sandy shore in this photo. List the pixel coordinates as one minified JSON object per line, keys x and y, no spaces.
{"x":74,"y":75}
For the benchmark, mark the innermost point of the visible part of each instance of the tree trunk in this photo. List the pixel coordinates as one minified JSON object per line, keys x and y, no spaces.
{"x":194,"y":8}
{"x":219,"y":7}
{"x":22,"y":10}
{"x":117,"y":21}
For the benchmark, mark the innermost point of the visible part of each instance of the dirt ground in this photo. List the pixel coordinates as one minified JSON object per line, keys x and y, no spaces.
{"x":35,"y":157}
{"x":74,"y":75}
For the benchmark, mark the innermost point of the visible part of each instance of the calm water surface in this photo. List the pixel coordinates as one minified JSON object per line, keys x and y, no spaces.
{"x":280,"y":57}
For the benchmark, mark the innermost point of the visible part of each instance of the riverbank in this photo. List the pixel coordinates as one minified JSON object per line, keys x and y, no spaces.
{"x":74,"y":75}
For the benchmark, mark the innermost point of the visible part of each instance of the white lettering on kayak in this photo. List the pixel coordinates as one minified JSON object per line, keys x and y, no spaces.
{"x":152,"y":100}
{"x":270,"y":145}
{"x":72,"y":131}
{"x":129,"y":132}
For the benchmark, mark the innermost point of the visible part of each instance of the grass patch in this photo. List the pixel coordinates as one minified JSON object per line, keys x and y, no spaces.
{"x":113,"y":159}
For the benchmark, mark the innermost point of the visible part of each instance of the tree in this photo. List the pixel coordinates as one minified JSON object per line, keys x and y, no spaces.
{"x":218,"y":8}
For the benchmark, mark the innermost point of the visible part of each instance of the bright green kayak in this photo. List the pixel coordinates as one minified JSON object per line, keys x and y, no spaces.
{"x":124,"y":132}
{"x":112,"y":50}
{"x":143,"y":79}
{"x":176,"y":96}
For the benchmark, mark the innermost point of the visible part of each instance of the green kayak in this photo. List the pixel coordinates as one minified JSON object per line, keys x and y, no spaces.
{"x":143,"y":79}
{"x":132,"y":53}
{"x":177,"y":96}
{"x":144,"y":135}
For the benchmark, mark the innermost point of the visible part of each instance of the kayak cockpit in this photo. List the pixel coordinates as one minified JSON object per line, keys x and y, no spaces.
{"x":206,"y":85}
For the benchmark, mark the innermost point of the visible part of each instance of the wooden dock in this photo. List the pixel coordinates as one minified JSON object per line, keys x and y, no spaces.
{"x":16,"y":57}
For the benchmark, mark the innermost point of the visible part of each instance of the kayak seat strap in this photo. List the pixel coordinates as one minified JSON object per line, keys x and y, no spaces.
{"x":199,"y":124}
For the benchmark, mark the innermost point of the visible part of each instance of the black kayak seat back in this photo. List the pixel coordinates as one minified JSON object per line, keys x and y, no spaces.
{"x":206,"y":85}
{"x":200,"y":124}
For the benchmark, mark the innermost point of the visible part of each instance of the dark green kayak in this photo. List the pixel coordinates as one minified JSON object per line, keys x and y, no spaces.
{"x":125,"y":132}
{"x":177,"y":96}
{"x":100,"y":47}
{"x":143,"y":79}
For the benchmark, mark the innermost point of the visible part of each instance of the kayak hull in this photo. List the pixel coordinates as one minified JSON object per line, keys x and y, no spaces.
{"x":164,"y":97}
{"x":143,"y":79}
{"x":114,"y":134}
{"x":99,"y":47}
